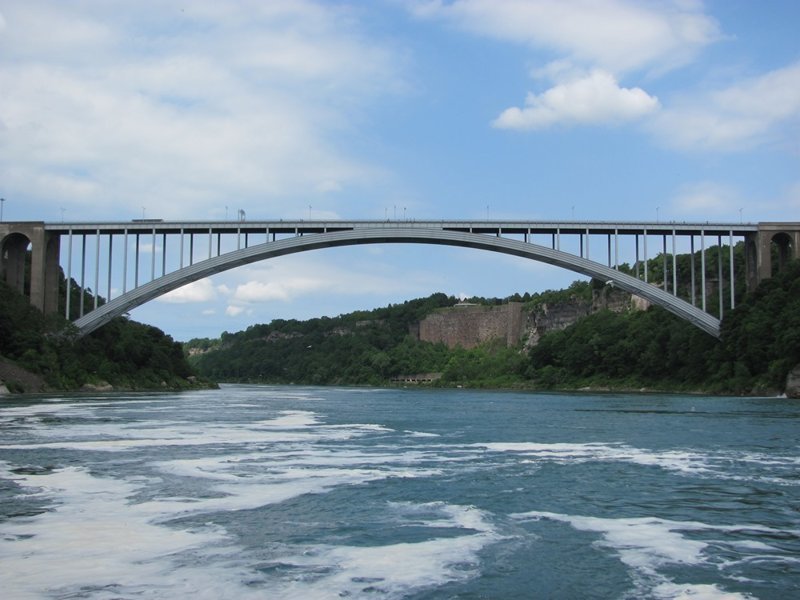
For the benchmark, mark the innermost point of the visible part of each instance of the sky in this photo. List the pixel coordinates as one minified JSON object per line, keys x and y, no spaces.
{"x":417,"y":109}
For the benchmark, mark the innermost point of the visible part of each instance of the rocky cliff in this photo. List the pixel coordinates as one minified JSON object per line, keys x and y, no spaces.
{"x":469,"y":325}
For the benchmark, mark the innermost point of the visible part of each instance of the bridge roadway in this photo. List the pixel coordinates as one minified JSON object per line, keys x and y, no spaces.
{"x":190,"y":250}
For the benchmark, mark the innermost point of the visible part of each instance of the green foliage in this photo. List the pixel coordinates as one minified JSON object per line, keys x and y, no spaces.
{"x":761,"y":338}
{"x":638,"y":349}
{"x":759,"y":345}
{"x":123,"y":353}
{"x":760,"y":342}
{"x":578,"y":290}
{"x":364,"y":347}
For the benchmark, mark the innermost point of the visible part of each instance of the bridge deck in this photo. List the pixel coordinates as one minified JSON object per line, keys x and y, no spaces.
{"x":295,"y":227}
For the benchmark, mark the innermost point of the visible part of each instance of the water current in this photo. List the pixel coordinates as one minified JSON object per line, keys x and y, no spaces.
{"x":291,"y":492}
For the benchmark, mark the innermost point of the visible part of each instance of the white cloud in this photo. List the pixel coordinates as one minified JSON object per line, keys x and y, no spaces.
{"x":740,"y":116}
{"x":197,"y":291}
{"x":283,"y":289}
{"x":595,"y":98}
{"x":706,"y":198}
{"x":617,"y":35}
{"x":711,"y":199}
{"x":111,"y":107}
{"x":234,"y":311}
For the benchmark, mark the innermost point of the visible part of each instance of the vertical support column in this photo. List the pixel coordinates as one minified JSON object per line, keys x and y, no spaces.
{"x":609,"y":251}
{"x":664,"y":254}
{"x":163,"y":254}
{"x":69,"y":276}
{"x":191,"y":249}
{"x":238,"y":238}
{"x":644,"y":243}
{"x":125,"y":261}
{"x":764,"y":255}
{"x":219,"y":243}
{"x":153,"y":257}
{"x":96,"y":269}
{"x":616,"y":249}
{"x":691,"y":256}
{"x":181,"y":260}
{"x":210,"y":242}
{"x":587,"y":243}
{"x":136,"y":271}
{"x":558,"y":238}
{"x":703,"y":269}
{"x":733,"y":281}
{"x":83,"y":270}
{"x":636,"y":239}
{"x":674,"y":267}
{"x":719,"y":274}
{"x":110,"y":258}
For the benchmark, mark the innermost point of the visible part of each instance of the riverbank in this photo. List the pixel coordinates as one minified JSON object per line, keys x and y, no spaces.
{"x":15,"y":380}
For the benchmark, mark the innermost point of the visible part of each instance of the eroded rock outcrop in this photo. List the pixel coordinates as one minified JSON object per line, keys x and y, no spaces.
{"x":793,"y":383}
{"x":469,"y":325}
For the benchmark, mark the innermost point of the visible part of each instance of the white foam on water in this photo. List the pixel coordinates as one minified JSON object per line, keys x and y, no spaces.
{"x":686,"y":591}
{"x":92,"y":538}
{"x":291,"y":419}
{"x":462,"y":517}
{"x":648,"y":544}
{"x":686,"y":462}
{"x":252,"y":480}
{"x":95,"y":542}
{"x":421,"y":434}
{"x":393,"y":570}
{"x":289,"y":427}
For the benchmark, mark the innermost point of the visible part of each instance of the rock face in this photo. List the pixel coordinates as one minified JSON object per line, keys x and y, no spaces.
{"x":11,"y":373}
{"x":793,"y":383}
{"x":469,"y":325}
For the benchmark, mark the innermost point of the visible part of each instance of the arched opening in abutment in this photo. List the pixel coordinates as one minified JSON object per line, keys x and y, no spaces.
{"x":15,"y":262}
{"x":782,"y":251}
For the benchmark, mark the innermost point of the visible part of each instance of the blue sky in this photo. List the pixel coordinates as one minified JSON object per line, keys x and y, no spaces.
{"x":538,"y":109}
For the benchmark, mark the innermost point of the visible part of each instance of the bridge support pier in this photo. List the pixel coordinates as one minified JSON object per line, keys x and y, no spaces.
{"x":38,"y":277}
{"x":769,"y":249}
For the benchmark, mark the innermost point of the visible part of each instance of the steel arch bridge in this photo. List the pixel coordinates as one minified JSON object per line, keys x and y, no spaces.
{"x":187,"y":240}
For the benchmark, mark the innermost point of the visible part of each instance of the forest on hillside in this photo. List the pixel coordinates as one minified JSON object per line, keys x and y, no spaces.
{"x":123,"y":353}
{"x":651,"y":349}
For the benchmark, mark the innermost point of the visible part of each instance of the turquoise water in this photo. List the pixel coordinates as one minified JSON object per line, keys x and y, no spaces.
{"x":287,"y":492}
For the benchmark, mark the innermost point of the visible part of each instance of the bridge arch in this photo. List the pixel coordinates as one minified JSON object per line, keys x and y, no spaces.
{"x":15,"y":260}
{"x":238,"y":258}
{"x":783,"y":250}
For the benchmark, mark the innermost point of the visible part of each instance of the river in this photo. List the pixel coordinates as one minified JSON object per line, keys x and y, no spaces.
{"x":293,"y":492}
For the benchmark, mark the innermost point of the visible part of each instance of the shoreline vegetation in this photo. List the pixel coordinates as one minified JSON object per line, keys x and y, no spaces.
{"x":40,"y":354}
{"x":627,"y":351}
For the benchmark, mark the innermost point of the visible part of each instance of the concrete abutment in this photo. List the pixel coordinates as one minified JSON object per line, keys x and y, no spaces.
{"x":43,"y":284}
